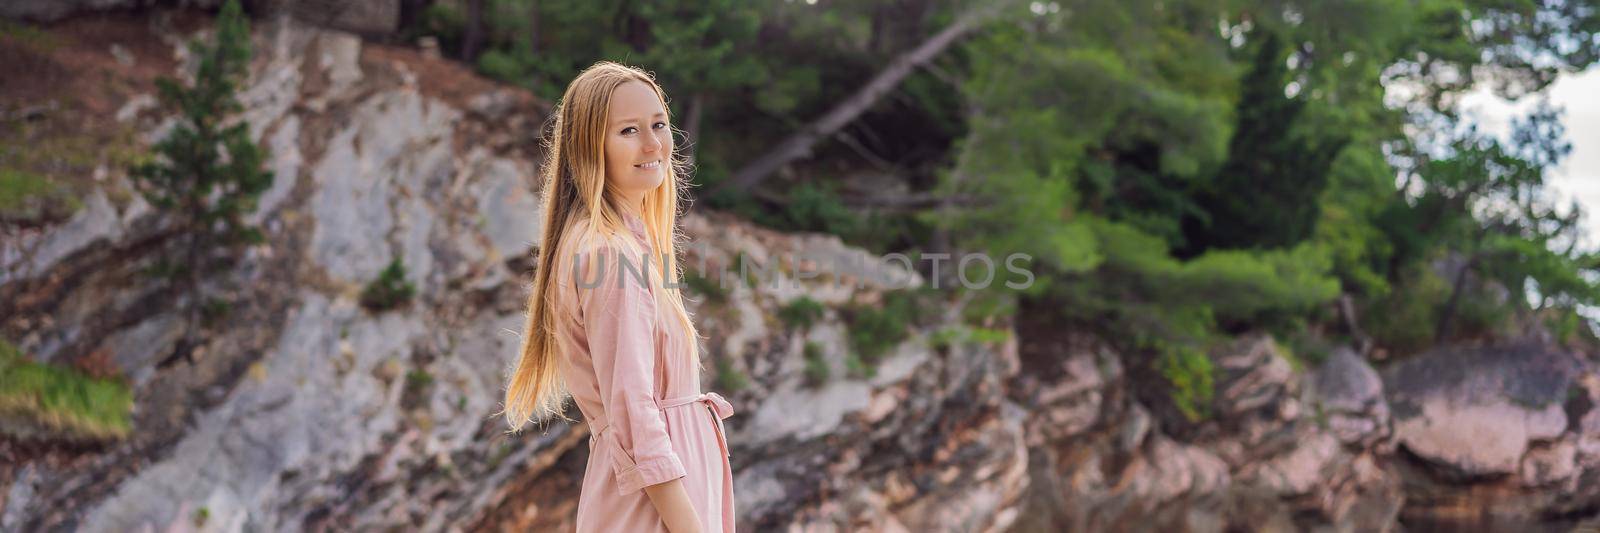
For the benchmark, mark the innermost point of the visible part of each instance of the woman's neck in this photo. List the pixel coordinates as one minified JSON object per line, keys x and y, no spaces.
{"x":633,"y":205}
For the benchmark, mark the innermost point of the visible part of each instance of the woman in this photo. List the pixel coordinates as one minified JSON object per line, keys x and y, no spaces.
{"x":605,"y":325}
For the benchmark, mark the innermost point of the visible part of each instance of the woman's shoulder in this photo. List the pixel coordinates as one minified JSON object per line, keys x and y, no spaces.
{"x":595,"y":255}
{"x":591,"y":249}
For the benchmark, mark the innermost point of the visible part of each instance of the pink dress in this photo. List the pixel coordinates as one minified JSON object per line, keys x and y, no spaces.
{"x":649,"y":423}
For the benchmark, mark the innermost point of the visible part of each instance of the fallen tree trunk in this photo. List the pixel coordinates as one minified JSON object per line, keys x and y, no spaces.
{"x":798,"y":145}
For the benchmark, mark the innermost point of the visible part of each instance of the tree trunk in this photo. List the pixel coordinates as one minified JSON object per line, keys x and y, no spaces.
{"x":411,"y":16}
{"x":533,"y":28}
{"x":187,"y":343}
{"x":191,"y":335}
{"x":798,"y":145}
{"x":692,"y":124}
{"x":1352,"y":323}
{"x":1442,"y":330}
{"x":472,"y":38}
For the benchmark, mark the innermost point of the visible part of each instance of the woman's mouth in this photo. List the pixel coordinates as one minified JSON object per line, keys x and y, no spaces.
{"x":648,"y":166}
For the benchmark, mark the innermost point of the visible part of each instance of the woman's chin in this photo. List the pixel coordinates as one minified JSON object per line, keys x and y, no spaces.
{"x":650,"y":178}
{"x":641,"y":181}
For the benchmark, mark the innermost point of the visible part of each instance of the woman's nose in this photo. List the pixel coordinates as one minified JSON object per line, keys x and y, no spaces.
{"x":652,"y":143}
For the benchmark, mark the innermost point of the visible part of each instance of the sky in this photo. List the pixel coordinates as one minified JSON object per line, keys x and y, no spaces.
{"x":1579,"y":175}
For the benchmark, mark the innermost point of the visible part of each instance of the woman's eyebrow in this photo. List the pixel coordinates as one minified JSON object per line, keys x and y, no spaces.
{"x":630,"y":120}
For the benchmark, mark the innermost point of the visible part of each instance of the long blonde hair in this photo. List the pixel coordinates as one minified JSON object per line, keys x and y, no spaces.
{"x":576,"y":193}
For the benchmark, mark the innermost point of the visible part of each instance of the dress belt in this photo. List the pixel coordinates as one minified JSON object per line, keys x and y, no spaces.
{"x":719,"y":406}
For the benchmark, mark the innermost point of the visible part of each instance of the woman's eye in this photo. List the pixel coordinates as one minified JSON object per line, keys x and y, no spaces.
{"x":627,"y":130}
{"x":660,"y":125}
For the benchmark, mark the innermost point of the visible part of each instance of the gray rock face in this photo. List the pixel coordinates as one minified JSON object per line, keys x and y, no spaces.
{"x":1474,"y":412}
{"x":1350,"y":394}
{"x":98,"y":222}
{"x":233,"y":463}
{"x":1264,"y":463}
{"x":1499,"y":432}
{"x":370,"y":205}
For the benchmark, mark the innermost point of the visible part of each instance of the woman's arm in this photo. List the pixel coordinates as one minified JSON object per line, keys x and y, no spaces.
{"x":672,"y":502}
{"x":617,"y":315}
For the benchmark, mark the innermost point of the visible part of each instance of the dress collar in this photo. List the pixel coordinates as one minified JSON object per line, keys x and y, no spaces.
{"x":635,"y":224}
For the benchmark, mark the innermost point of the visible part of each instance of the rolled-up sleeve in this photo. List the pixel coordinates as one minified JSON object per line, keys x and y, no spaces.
{"x":618,"y":313}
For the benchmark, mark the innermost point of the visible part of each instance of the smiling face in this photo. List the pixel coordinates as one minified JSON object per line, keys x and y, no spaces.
{"x":638,"y":142}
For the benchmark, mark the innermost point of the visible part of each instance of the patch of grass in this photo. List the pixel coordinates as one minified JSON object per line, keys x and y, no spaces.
{"x":949,"y":336}
{"x":1188,"y":370}
{"x":28,"y":35}
{"x":874,"y":330}
{"x":988,"y":307}
{"x":713,"y":291}
{"x":816,"y":366}
{"x":46,"y":166}
{"x":730,"y":379}
{"x":750,"y":270}
{"x":988,"y":335}
{"x":418,"y":379}
{"x":855,"y":367}
{"x":801,"y":313}
{"x":29,"y":197}
{"x":390,"y":290}
{"x":1288,"y":354}
{"x":414,"y":393}
{"x":17,"y":187}
{"x":214,"y":310}
{"x":59,"y":402}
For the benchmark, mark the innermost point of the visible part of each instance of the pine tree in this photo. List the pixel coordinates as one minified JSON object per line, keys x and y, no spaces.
{"x":207,"y":172}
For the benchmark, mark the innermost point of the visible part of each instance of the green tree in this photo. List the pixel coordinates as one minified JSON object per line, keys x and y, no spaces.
{"x":1178,"y":179}
{"x":1484,"y":205}
{"x":1266,"y":194}
{"x":207,"y":173}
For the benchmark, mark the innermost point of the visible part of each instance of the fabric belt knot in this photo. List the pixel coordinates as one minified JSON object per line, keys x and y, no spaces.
{"x":719,"y":407}
{"x":718,"y":404}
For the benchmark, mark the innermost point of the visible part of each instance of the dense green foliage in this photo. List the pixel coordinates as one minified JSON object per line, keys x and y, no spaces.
{"x":1178,"y":180}
{"x":741,"y":75}
{"x":879,"y":327}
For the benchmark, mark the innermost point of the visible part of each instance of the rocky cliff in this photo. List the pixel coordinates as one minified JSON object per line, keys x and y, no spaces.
{"x":307,"y":411}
